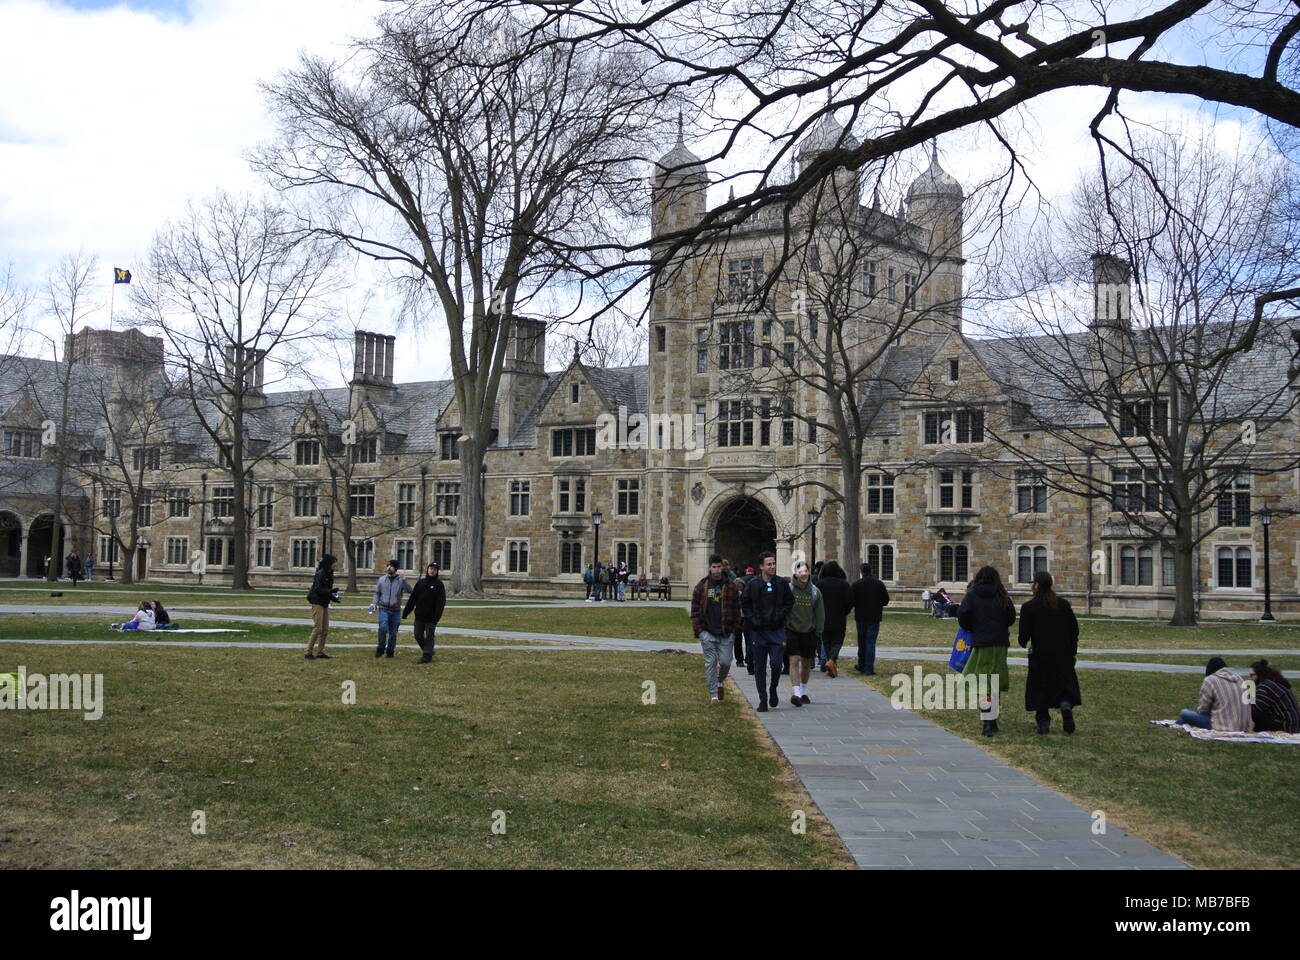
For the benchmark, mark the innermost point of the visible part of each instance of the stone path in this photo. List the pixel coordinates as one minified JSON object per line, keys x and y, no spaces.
{"x":903,"y":793}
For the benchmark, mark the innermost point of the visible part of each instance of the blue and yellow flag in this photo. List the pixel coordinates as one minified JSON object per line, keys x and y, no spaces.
{"x":121,"y":276}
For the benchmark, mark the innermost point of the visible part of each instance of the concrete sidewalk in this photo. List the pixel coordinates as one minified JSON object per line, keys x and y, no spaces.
{"x":903,"y":793}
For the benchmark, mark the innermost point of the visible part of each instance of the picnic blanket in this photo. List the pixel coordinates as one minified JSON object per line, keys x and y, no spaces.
{"x":1200,"y":733}
{"x":179,"y":630}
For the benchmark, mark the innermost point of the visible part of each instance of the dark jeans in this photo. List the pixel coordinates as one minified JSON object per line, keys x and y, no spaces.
{"x":867,"y":633}
{"x":768,"y":650}
{"x":389,"y":621}
{"x":830,"y":646}
{"x":424,"y":635}
{"x":739,"y":643}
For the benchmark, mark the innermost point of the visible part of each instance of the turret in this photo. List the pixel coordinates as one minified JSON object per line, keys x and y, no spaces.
{"x":839,"y":194}
{"x":678,"y":188}
{"x":935,"y":203}
{"x":523,"y":375}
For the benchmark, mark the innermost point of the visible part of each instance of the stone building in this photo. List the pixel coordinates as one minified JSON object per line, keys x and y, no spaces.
{"x":697,"y":451}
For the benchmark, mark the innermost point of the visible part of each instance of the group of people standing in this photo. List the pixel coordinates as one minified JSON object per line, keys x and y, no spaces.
{"x":604,"y":581}
{"x":427,"y":599}
{"x":774,"y":625}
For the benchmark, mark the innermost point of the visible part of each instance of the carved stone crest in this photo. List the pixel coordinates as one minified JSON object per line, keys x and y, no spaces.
{"x":697,"y":493}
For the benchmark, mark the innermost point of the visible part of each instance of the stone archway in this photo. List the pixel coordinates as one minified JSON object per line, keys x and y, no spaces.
{"x":41,"y":543}
{"x":11,"y":544}
{"x":743,"y":528}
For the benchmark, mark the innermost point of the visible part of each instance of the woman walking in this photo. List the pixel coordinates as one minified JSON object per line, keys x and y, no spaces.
{"x":837,"y":598}
{"x":1049,"y":628}
{"x":988,"y":613}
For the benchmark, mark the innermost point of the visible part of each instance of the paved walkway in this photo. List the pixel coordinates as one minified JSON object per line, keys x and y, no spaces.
{"x":903,"y":793}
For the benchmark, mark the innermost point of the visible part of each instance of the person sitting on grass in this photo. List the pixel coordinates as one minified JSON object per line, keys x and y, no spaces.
{"x":161,"y":618}
{"x":1275,"y":705}
{"x":1222,"y":706}
{"x":143,"y":619}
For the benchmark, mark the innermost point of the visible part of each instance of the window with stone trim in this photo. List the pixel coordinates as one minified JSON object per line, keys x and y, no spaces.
{"x":881,"y":558}
{"x":880,"y":494}
{"x":570,"y":556}
{"x":146,"y":458}
{"x":628,"y":499}
{"x":736,"y":345}
{"x":144,"y":508}
{"x":571,"y":495}
{"x":363,"y":555}
{"x":1234,"y":567}
{"x":573,"y":442}
{"x":178,"y":550}
{"x":956,"y":489}
{"x":265,"y":507}
{"x":178,"y":502}
{"x":304,"y":552}
{"x":520,"y":494}
{"x":1141,"y":418}
{"x":361,"y":499}
{"x":441,"y":554}
{"x":1030,"y":559}
{"x":517,"y":556}
{"x":1031,"y":491}
{"x":112,"y":503}
{"x":1233,"y":501}
{"x":954,"y":562}
{"x":223,"y":501}
{"x":306,"y":453}
{"x":366,"y":450}
{"x":404,"y":554}
{"x":744,"y":277}
{"x":955,"y":426}
{"x":265,"y":548}
{"x":22,"y":443}
{"x":1139,"y":490}
{"x":446,"y":498}
{"x":449,"y":445}
{"x":406,"y":504}
{"x":108,"y":550}
{"x":627,"y":551}
{"x":306,"y":501}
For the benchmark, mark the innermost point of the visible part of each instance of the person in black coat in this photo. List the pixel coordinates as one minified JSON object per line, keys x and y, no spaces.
{"x":428,"y":599}
{"x":988,"y":613}
{"x":869,"y":601}
{"x":73,"y":565}
{"x":837,"y":599}
{"x":320,"y":596}
{"x":1051,"y":631}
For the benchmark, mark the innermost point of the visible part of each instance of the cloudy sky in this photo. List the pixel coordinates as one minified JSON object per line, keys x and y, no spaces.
{"x":114,"y":114}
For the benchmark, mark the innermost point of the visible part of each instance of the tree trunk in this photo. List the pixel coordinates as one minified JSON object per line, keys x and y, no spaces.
{"x":1185,"y":574}
{"x":467,"y":577}
{"x":347,"y":545}
{"x":851,"y":516}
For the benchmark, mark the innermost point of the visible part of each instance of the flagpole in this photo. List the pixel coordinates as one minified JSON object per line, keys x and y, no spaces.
{"x":112,"y":293}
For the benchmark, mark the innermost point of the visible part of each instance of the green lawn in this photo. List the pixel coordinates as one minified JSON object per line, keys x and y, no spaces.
{"x":918,"y":631}
{"x":106,"y":594}
{"x":1215,"y":805}
{"x":75,"y":627}
{"x":409,"y":776}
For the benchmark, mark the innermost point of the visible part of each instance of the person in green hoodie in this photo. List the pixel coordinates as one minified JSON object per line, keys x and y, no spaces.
{"x":803,"y":630}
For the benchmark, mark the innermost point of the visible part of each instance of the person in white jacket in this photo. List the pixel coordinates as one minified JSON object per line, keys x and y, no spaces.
{"x":143,"y":619}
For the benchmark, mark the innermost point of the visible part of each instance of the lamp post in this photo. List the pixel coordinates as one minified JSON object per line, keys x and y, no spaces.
{"x":324,"y":529}
{"x":813,"y":515}
{"x":595,"y":558}
{"x":1265,"y":519}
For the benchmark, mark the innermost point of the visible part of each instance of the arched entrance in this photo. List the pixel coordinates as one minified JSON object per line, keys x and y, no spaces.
{"x":11,"y":544}
{"x":744,"y":528}
{"x":41,"y":543}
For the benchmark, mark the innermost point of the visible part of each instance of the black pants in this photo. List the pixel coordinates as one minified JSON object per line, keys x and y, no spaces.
{"x":739,"y":643}
{"x":424,"y":635}
{"x":768,"y":651}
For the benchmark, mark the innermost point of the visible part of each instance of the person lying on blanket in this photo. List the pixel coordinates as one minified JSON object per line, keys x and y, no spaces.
{"x":1223,"y":705}
{"x":143,"y":619}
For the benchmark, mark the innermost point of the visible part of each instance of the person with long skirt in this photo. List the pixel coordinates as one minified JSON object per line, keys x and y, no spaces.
{"x":988,"y":613}
{"x":1049,"y":628}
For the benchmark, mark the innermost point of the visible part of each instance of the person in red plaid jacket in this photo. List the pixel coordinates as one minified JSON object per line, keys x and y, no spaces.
{"x":715,"y":615}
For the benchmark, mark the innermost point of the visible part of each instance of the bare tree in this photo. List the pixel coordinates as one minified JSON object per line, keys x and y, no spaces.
{"x":478,"y":184}
{"x":236,"y":291}
{"x":911,"y":70}
{"x":1144,"y":357}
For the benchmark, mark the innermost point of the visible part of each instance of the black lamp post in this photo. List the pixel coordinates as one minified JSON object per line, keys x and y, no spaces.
{"x":1265,"y":519}
{"x":597,"y":589}
{"x":324,"y":530}
{"x":813,"y":515}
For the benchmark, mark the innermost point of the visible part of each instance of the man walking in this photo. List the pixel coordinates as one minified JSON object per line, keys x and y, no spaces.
{"x":73,"y":564}
{"x":589,"y":578}
{"x":869,"y":600}
{"x":320,"y":596}
{"x":766,"y":604}
{"x":90,"y":566}
{"x":804,"y":628}
{"x":428,"y":600}
{"x":388,"y":602}
{"x":744,"y":656}
{"x":715,"y":612}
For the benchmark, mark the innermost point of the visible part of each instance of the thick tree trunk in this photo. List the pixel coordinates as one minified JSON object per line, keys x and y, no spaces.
{"x":851,"y":516}
{"x":1185,"y":574}
{"x":467,"y":577}
{"x":347,"y":545}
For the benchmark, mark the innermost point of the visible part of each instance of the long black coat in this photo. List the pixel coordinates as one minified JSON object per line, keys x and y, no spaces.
{"x":1054,"y":635}
{"x":837,"y":598}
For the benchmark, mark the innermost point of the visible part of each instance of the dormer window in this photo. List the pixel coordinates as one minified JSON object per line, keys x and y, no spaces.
{"x":448,"y":446}
{"x":146,"y":458}
{"x":22,"y":443}
{"x":365,"y":450}
{"x":306,"y":453}
{"x":954,"y":426}
{"x":1140,"y":418}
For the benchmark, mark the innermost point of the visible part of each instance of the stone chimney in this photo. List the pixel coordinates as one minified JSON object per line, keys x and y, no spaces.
{"x":246,"y":365}
{"x":1112,"y":291}
{"x":372,"y":366}
{"x":523,"y":377}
